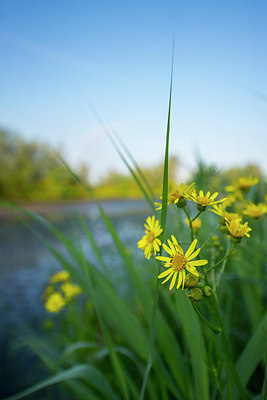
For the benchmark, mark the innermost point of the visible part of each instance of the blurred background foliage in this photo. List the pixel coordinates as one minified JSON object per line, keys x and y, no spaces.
{"x":31,"y":172}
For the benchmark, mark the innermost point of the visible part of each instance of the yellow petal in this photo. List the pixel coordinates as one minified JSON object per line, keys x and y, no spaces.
{"x":173,"y":280}
{"x":193,"y":255}
{"x":179,"y":280}
{"x":197,"y":263}
{"x":165,"y":273}
{"x":191,"y":248}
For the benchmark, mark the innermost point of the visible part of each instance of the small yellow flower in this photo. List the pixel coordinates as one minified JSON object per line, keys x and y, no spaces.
{"x":60,"y":276}
{"x":238,"y":230}
{"x":182,"y":192}
{"x":150,"y":243}
{"x":55,"y":302}
{"x":219,"y":209}
{"x":179,"y":262}
{"x":196,"y":224}
{"x":205,"y":200}
{"x":255,"y":210}
{"x":243,"y":184}
{"x":70,"y":290}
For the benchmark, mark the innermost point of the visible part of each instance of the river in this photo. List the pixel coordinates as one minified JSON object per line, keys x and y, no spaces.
{"x":26,"y":264}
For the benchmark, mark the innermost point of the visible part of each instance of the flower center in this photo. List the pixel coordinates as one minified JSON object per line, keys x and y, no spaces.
{"x":178,"y":262}
{"x":203,"y":200}
{"x":150,"y":237}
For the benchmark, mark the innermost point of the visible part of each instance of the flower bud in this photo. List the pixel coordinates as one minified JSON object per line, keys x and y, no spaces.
{"x":196,"y":294}
{"x":201,"y":208}
{"x":207,"y":291}
{"x":181,"y":203}
{"x":191,"y":280}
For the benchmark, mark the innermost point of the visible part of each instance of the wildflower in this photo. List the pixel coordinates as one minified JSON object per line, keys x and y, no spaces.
{"x":60,"y":276}
{"x":243,"y":184}
{"x":150,"y":243}
{"x":70,"y":290}
{"x":55,"y":302}
{"x":238,"y":230}
{"x":203,"y":200}
{"x":255,"y":210}
{"x":178,"y":196}
{"x":219,"y":209}
{"x":196,"y":224}
{"x":179,"y":262}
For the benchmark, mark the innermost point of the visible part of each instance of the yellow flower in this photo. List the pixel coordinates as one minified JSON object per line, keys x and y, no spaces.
{"x":238,"y":230}
{"x":219,"y":209}
{"x":205,"y":200}
{"x":60,"y":277}
{"x":182,"y":192}
{"x":196,"y":224}
{"x":55,"y":302}
{"x":243,"y":184}
{"x":70,"y":290}
{"x":150,"y":243}
{"x":179,"y":262}
{"x":255,"y":210}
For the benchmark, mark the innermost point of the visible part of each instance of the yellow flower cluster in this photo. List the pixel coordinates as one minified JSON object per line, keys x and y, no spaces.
{"x":59,"y":292}
{"x":181,"y":267}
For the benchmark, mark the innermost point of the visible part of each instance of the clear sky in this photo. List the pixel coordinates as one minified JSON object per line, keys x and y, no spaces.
{"x":58,"y":55}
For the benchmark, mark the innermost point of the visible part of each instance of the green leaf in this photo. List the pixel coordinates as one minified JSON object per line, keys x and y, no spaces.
{"x":86,"y":373}
{"x":253,"y":353}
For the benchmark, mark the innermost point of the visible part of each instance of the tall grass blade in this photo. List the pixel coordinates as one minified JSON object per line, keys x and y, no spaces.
{"x":85,"y":373}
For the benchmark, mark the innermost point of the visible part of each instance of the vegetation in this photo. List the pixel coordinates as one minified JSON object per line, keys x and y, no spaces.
{"x":202,"y":338}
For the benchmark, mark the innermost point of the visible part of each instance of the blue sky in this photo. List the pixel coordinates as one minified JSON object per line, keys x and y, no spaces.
{"x":58,"y":56}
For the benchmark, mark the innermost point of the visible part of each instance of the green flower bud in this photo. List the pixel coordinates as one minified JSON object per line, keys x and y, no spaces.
{"x":196,"y":294}
{"x":191,"y":280}
{"x":181,"y":203}
{"x":201,"y":208}
{"x":207,"y":291}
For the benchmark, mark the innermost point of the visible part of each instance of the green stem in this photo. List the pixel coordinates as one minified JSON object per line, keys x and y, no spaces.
{"x":224,"y":258}
{"x":207,"y":241}
{"x":264,"y":389}
{"x":214,"y":328}
{"x":190,"y":223}
{"x":151,"y":339}
{"x":217,"y":283}
{"x":198,"y":214}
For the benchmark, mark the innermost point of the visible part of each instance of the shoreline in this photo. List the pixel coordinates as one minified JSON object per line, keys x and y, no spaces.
{"x":51,"y":207}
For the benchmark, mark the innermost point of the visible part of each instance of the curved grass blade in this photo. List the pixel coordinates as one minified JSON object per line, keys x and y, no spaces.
{"x":138,"y":169}
{"x":253,"y":353}
{"x":86,"y":373}
{"x":139,"y":183}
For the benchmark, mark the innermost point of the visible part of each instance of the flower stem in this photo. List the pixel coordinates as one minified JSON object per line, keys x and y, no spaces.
{"x":207,"y":241}
{"x":190,"y":223}
{"x":215,"y":329}
{"x":223,"y":259}
{"x":198,"y":214}
{"x":151,"y":339}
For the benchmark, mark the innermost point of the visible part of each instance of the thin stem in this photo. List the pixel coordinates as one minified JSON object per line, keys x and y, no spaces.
{"x":198,"y":214}
{"x":190,"y":223}
{"x":217,"y":283}
{"x":214,"y":328}
{"x":224,"y":258}
{"x":207,"y":241}
{"x":151,"y":339}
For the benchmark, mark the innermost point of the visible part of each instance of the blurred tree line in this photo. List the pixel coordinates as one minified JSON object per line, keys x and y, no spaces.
{"x":30,"y":171}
